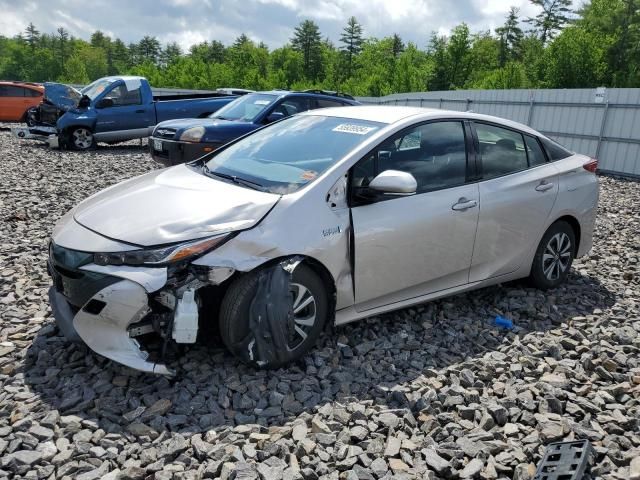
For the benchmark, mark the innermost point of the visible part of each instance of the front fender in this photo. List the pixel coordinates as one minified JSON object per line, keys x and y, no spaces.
{"x":75,"y":118}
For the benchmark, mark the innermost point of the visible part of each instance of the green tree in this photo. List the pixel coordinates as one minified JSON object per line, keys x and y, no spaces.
{"x":308,"y":41}
{"x":553,"y":17}
{"x":32,"y":36}
{"x":148,"y":50}
{"x":75,"y":71}
{"x":510,"y":35}
{"x":63,"y":39}
{"x":575,"y":59}
{"x":170,"y":53}
{"x":351,"y":40}
{"x":458,"y":55}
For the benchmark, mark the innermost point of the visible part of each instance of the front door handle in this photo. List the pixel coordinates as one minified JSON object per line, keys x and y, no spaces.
{"x":464,"y":204}
{"x":544,"y":186}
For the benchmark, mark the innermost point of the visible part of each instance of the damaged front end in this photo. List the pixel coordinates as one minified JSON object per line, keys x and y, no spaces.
{"x":42,"y":120}
{"x":134,"y":315}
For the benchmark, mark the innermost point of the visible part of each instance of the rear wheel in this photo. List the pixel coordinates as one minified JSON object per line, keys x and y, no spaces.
{"x":81,"y":138}
{"x":308,"y":313}
{"x":554,"y":256}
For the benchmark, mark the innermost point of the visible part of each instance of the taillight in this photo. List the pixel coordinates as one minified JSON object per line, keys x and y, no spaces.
{"x":591,"y":165}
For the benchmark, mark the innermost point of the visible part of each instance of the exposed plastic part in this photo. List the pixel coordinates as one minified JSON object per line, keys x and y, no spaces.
{"x":106,"y":333}
{"x":269,"y":314}
{"x":566,"y":461}
{"x":185,"y":320}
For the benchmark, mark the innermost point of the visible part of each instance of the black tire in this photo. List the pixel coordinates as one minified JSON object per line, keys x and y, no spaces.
{"x":554,"y":257}
{"x":81,"y":139}
{"x":235,"y":310}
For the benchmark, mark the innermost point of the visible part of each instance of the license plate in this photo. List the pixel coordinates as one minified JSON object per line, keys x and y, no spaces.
{"x":157,"y":145}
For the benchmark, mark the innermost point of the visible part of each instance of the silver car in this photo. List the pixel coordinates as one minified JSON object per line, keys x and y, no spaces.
{"x":328,"y":216}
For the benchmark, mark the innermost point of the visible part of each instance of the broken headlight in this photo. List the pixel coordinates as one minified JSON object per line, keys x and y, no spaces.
{"x":161,"y":256}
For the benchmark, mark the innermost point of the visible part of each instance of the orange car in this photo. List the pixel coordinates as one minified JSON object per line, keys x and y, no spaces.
{"x":18,"y":97}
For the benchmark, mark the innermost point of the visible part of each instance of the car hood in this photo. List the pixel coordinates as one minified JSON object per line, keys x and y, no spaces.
{"x":215,"y":130}
{"x":62,"y":96}
{"x":172,"y":205}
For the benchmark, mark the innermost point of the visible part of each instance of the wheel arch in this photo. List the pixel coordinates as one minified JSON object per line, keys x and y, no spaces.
{"x":575,"y":226}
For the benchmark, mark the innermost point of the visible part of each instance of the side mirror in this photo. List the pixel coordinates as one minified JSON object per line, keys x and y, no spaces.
{"x":394,"y":182}
{"x":105,"y":103}
{"x":274,"y":117}
{"x":84,"y":102}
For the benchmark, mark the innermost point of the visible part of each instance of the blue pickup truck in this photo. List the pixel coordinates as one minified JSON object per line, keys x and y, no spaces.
{"x":180,"y":141}
{"x":111,"y":110}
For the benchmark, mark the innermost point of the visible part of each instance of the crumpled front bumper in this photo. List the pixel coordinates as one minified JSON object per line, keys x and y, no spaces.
{"x":102,"y":322}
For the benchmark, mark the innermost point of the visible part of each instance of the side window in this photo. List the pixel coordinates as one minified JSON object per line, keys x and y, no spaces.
{"x":293,"y":105}
{"x":555,"y":150}
{"x":534,"y":152}
{"x":31,"y":93}
{"x":11,"y":91}
{"x":324,"y":103}
{"x":121,"y":96}
{"x":434,"y":153}
{"x":502,"y":151}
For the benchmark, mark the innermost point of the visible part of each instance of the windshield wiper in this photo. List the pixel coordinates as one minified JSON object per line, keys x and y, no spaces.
{"x":234,"y":179}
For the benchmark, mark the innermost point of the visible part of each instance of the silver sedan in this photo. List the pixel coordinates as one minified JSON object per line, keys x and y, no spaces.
{"x":329,"y":216}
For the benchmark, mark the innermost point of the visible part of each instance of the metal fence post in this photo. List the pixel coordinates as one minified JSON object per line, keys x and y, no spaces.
{"x":530,"y":114}
{"x":468,"y":104}
{"x":602,"y":127}
{"x":440,"y":107}
{"x":421,"y":102}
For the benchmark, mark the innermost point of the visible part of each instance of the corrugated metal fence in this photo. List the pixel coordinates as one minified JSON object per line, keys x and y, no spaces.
{"x":602,"y":123}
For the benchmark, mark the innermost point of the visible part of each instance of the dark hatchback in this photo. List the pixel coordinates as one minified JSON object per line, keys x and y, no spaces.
{"x":179,"y":141}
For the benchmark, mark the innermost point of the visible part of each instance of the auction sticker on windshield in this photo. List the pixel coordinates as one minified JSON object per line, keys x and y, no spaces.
{"x":349,"y":128}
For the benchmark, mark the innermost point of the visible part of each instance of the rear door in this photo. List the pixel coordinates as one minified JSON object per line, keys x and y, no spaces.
{"x":13,"y":103}
{"x":407,"y":246}
{"x":518,"y":189}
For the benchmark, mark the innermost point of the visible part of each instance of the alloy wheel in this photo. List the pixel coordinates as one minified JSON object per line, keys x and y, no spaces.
{"x":304,"y":315}
{"x":557,"y":256}
{"x":82,"y":138}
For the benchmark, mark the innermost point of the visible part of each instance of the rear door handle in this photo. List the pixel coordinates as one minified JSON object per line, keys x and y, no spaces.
{"x":464,"y":204}
{"x":544,"y":186}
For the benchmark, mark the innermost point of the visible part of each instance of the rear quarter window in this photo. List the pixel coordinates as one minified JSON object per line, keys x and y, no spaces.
{"x":554,"y":150}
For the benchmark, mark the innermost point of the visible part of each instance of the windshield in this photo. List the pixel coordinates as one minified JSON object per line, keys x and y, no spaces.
{"x":289,"y":154}
{"x":246,"y":108}
{"x":96,"y":88}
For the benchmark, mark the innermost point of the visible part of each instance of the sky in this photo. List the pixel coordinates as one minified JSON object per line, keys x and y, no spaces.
{"x":271,"y":21}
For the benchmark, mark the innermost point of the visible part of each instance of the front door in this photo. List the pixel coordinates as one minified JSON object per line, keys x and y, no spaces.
{"x":409,"y":246}
{"x":518,"y":190}
{"x":121,"y":109}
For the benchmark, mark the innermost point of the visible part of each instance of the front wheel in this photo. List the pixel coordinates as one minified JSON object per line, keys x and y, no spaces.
{"x":554,"y":256}
{"x":81,"y":138}
{"x":285,"y":332}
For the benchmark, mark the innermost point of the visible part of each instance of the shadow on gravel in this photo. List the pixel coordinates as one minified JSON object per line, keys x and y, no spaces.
{"x":116,"y":149}
{"x":389,"y":361}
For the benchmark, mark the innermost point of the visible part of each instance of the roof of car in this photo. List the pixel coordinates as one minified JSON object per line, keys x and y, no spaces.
{"x":391,"y":114}
{"x":335,"y":95}
{"x":17,"y":83}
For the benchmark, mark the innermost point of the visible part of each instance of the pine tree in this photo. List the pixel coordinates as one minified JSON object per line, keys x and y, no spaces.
{"x":510,"y":35}
{"x":552,"y":18}
{"x":32,"y":35}
{"x":308,"y":41}
{"x":171,"y":53}
{"x":398,"y":45}
{"x":351,"y":39}
{"x":63,"y":39}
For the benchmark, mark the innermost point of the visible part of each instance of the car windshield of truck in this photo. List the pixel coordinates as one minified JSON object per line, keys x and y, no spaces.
{"x":96,"y":88}
{"x":290,"y":154}
{"x":245,"y":108}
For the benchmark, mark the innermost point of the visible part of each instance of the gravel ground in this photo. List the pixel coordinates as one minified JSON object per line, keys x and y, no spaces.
{"x":434,"y":391}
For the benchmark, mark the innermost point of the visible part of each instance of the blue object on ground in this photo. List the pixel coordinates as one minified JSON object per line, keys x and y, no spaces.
{"x":503,"y":322}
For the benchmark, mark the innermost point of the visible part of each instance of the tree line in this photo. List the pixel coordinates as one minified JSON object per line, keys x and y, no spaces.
{"x":597,"y":45}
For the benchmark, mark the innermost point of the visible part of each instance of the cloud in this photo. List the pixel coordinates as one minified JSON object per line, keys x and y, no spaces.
{"x":271,"y":21}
